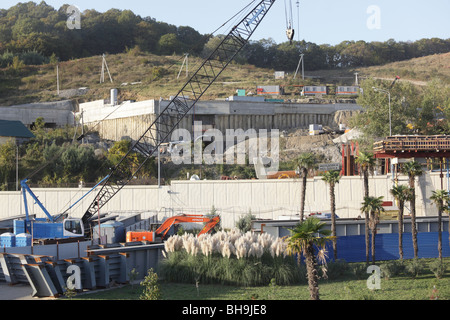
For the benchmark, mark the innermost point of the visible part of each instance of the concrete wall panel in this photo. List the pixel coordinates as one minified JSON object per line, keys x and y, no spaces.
{"x":269,"y":198}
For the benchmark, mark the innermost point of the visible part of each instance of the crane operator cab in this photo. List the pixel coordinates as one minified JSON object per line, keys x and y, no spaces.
{"x":73,"y":228}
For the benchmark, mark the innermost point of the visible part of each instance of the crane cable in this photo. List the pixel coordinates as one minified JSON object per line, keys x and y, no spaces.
{"x":289,"y":20}
{"x":288,"y":13}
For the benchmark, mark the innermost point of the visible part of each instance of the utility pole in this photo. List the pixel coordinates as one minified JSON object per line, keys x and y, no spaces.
{"x":57,"y":79}
{"x":186,"y":61}
{"x":298,"y":67}
{"x":105,"y":65}
{"x":82,"y":126}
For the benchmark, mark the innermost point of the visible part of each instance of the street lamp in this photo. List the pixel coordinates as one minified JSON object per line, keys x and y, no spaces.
{"x":389,"y":95}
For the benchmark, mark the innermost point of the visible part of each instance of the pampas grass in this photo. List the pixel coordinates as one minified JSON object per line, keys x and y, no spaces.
{"x":230,"y":258}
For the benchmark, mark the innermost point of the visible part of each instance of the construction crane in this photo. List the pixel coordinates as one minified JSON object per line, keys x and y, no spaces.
{"x":161,"y":233}
{"x":166,"y":122}
{"x":53,"y":227}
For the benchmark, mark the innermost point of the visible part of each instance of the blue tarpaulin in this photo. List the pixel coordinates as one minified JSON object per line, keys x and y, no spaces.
{"x":353,"y":248}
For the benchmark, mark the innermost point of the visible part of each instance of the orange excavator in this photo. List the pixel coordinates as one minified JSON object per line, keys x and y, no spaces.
{"x":161,"y":233}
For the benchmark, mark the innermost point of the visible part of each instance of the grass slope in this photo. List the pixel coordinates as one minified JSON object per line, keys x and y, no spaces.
{"x":153,"y":77}
{"x":345,"y":287}
{"x":157,"y":77}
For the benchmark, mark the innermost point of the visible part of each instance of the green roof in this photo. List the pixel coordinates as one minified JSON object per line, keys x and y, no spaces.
{"x":14,"y":129}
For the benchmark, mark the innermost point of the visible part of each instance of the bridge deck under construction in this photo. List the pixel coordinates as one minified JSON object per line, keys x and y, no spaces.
{"x":413,"y":146}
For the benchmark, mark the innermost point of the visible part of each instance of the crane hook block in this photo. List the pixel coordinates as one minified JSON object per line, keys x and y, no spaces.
{"x":290,"y":34}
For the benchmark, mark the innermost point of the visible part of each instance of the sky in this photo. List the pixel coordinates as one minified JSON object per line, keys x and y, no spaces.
{"x":329,"y":23}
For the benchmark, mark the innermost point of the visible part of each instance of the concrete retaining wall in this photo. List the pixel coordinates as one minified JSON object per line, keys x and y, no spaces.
{"x":232,"y":199}
{"x":59,"y":113}
{"x":132,"y":119}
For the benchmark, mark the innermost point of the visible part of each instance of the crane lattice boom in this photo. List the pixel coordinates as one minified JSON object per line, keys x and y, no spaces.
{"x":168,"y":119}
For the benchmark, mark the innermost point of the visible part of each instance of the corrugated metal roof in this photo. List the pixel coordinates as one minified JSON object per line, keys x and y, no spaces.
{"x":14,"y":129}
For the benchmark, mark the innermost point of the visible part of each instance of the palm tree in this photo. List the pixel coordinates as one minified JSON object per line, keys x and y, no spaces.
{"x":402,"y":194}
{"x":366,"y":162}
{"x":413,"y":169}
{"x":331,"y":178}
{"x":304,"y":237}
{"x":440,"y":198}
{"x":374,"y":205}
{"x":304,"y":162}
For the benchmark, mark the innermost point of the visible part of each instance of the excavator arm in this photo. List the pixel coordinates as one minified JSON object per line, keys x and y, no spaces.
{"x":209,"y":225}
{"x":168,"y":119}
{"x":168,"y":223}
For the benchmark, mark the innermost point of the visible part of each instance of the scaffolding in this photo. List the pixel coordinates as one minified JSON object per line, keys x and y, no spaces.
{"x":412,"y":144}
{"x":434,"y":149}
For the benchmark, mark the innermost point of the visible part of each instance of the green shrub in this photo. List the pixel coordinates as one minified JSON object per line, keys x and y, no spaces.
{"x":337,"y":269}
{"x":151,"y":288}
{"x":6,"y":59}
{"x":244,"y":224}
{"x":33,"y":58}
{"x":414,"y":267}
{"x":438,"y":268}
{"x":359,"y":271}
{"x":392,"y":268}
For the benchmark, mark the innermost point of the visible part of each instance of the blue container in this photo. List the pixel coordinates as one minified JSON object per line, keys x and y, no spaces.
{"x":114,"y":231}
{"x":23,"y":240}
{"x":48,"y":230}
{"x":19,"y":226}
{"x":8,"y":240}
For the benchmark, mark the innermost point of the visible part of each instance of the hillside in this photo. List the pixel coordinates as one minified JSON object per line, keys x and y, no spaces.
{"x":137,"y":75}
{"x":418,"y":70}
{"x":140,"y":76}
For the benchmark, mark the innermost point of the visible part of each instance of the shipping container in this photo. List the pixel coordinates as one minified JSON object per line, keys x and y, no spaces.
{"x":342,"y":90}
{"x":268,"y":90}
{"x":314,"y":90}
{"x":113,"y":231}
{"x":279,"y":74}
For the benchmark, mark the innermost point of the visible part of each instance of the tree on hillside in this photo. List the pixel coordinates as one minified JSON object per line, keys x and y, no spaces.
{"x":116,"y":154}
{"x":434,"y":113}
{"x":31,"y":26}
{"x":169,"y":44}
{"x":374,"y":120}
{"x":7,"y":163}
